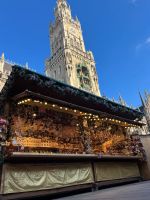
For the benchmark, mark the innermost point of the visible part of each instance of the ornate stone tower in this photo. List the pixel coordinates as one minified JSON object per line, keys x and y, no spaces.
{"x":70,"y":62}
{"x":146,"y":109}
{"x":2,"y":60}
{"x":5,"y":70}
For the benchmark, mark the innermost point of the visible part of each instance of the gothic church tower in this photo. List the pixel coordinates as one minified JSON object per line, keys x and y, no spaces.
{"x":70,"y":62}
{"x":5,"y":70}
{"x":146,"y":110}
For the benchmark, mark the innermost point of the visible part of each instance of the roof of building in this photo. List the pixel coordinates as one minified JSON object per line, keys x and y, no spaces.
{"x":22,"y":79}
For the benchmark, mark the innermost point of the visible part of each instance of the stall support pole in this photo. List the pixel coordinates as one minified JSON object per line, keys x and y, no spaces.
{"x":94,"y":185}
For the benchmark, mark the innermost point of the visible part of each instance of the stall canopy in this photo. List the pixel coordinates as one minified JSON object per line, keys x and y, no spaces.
{"x":22,"y":79}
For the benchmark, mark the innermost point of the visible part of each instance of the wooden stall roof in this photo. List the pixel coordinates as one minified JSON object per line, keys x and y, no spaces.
{"x":22,"y":79}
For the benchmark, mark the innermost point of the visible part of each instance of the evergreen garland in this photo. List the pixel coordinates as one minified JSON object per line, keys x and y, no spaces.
{"x":66,"y":91}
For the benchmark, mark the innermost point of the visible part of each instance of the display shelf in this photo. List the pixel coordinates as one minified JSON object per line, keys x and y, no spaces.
{"x":53,"y":156}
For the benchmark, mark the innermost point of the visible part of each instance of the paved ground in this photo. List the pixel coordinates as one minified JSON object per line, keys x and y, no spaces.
{"x":138,"y":191}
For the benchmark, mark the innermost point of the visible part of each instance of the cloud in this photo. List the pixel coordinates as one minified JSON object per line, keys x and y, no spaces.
{"x":143,"y":44}
{"x":147,"y":40}
{"x":133,"y":1}
{"x":138,"y":47}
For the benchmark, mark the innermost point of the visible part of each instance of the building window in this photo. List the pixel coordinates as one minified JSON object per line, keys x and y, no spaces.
{"x":55,"y":74}
{"x":84,"y":77}
{"x":60,"y":69}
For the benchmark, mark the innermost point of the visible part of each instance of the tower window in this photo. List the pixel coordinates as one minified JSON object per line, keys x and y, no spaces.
{"x":71,"y":41}
{"x":60,"y":69}
{"x":55,"y":74}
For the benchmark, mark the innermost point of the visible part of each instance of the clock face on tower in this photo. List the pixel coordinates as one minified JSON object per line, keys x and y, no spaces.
{"x":83,"y":77}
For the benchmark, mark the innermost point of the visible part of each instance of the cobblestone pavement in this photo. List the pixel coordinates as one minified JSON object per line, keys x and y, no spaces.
{"x":137,"y":191}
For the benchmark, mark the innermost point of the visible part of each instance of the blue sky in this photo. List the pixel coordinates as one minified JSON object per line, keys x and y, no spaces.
{"x":117,"y":31}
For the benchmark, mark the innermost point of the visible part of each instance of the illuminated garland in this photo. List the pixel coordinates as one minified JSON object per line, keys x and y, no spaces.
{"x":88,"y":116}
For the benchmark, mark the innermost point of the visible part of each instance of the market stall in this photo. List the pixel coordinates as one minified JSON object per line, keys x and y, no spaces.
{"x":58,"y":137}
{"x":41,"y":126}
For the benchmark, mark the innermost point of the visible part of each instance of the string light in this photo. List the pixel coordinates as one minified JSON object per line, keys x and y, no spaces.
{"x":88,"y":116}
{"x":36,"y":101}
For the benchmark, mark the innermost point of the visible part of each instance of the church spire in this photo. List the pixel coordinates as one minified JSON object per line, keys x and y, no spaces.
{"x":122,"y":101}
{"x":146,"y":108}
{"x":62,"y":10}
{"x":3,"y":57}
{"x":61,"y":1}
{"x":26,"y":65}
{"x":2,"y":60}
{"x":142,"y":100}
{"x":146,"y":96}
